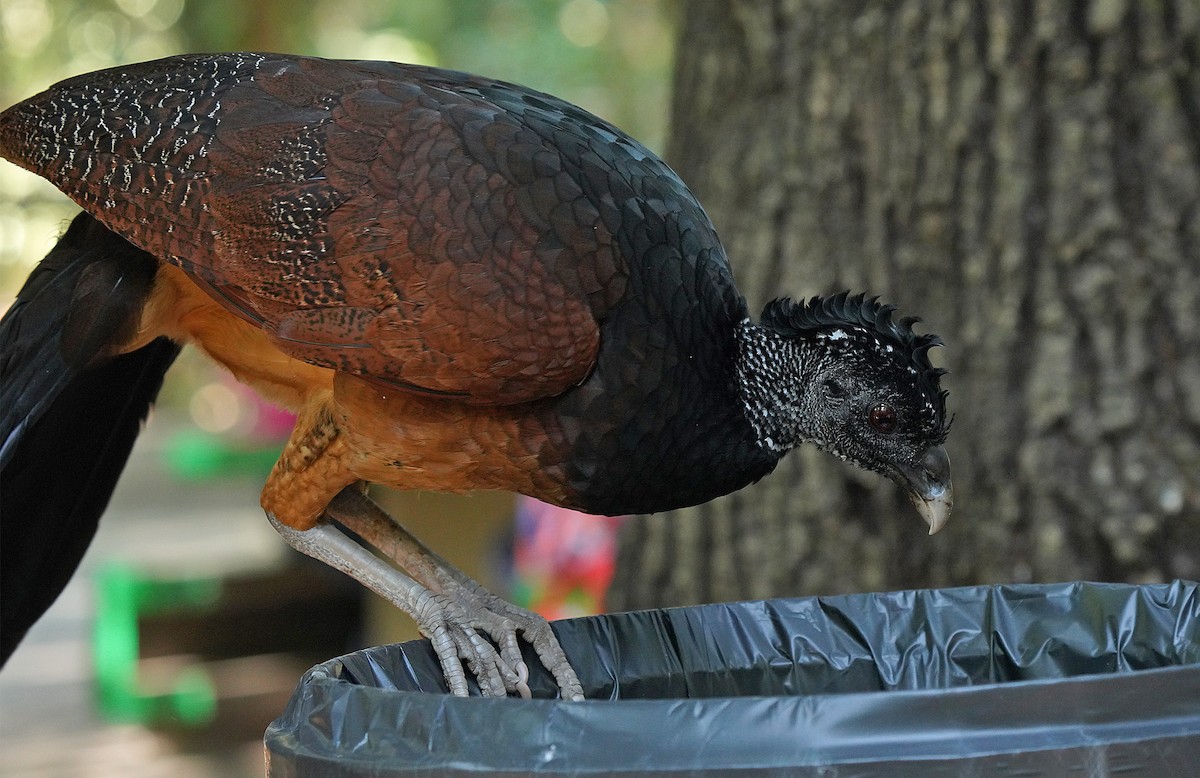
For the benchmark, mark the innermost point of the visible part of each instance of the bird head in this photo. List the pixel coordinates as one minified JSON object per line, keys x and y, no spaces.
{"x":868,"y":393}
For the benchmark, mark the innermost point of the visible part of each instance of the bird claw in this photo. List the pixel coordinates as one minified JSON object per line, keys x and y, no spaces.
{"x":451,"y":609}
{"x":455,"y":622}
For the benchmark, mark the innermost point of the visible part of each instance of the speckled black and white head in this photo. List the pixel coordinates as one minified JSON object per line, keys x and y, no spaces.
{"x":840,"y":373}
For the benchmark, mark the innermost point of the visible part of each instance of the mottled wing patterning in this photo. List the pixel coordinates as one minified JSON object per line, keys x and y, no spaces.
{"x":404,"y":229}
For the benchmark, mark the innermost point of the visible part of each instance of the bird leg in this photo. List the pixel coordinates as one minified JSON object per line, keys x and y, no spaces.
{"x":327,"y":544}
{"x":500,"y":619}
{"x":450,"y":608}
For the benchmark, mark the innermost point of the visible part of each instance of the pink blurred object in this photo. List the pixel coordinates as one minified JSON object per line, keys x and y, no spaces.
{"x":563,"y":559}
{"x":272,"y":422}
{"x":268,"y":423}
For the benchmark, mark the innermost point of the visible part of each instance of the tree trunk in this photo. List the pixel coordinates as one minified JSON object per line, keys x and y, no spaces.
{"x":1026,"y":176}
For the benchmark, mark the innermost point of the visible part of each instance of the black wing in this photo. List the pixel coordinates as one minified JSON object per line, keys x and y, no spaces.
{"x":69,"y":411}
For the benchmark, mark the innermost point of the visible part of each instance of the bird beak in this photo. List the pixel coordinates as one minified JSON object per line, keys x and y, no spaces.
{"x":928,"y":486}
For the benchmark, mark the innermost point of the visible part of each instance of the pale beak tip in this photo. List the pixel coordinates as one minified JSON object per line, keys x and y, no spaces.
{"x":935,"y":511}
{"x":928,"y":486}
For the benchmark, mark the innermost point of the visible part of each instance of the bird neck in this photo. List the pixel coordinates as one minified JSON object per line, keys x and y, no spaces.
{"x":773,"y":372}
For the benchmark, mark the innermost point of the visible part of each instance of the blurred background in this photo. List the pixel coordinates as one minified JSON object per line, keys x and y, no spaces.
{"x":1025,"y":176}
{"x":189,"y":623}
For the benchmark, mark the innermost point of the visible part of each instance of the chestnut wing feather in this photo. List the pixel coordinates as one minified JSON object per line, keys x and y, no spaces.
{"x":419,"y":227}
{"x":408,"y":230}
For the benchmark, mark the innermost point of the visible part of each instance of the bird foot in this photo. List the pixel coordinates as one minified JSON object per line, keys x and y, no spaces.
{"x":454,"y":611}
{"x":455,"y":626}
{"x":502,"y":621}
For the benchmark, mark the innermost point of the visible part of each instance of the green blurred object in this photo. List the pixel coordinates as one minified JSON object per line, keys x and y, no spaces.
{"x":197,"y":456}
{"x":124,"y":595}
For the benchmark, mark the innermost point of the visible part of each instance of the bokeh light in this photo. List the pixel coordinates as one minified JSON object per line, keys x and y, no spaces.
{"x":584,"y":22}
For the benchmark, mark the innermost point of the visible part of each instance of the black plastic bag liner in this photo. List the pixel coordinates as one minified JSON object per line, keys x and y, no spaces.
{"x":1068,"y":679}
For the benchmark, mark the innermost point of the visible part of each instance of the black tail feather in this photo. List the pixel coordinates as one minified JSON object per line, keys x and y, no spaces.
{"x":69,"y":411}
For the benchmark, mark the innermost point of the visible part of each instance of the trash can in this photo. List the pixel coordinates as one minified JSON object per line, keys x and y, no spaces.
{"x":1067,"y":679}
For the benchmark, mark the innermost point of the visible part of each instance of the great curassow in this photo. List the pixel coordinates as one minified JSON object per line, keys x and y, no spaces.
{"x":456,"y":283}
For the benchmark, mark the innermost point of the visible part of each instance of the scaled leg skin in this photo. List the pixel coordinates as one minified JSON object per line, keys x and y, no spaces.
{"x":450,"y":608}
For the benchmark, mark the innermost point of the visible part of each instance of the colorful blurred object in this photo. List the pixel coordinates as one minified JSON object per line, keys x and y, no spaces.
{"x":123,"y":595}
{"x":563,"y":559}
{"x":238,"y":433}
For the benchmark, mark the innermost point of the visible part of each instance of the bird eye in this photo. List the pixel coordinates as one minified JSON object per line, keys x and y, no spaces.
{"x":883,"y":418}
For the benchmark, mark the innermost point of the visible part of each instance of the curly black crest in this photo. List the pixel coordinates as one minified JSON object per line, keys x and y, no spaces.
{"x":845,"y":310}
{"x":865,"y":322}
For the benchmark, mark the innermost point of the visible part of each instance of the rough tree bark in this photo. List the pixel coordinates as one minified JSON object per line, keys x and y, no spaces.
{"x":1024,"y":175}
